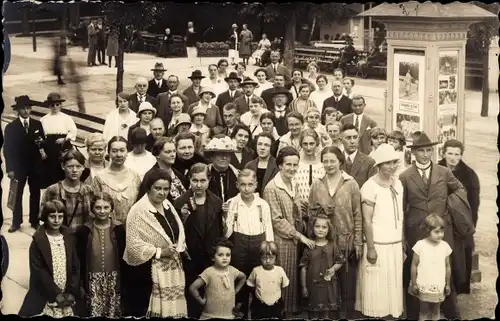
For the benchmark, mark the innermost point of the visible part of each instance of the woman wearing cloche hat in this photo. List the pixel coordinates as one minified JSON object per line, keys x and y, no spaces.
{"x":213,"y":117}
{"x":146,"y":113}
{"x":382,"y":209}
{"x":60,"y":130}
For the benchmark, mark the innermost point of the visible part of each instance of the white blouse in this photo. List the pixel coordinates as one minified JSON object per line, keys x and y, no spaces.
{"x":59,"y":123}
{"x":319,"y":96}
{"x":140,"y":163}
{"x":116,"y":125}
{"x":258,"y":91}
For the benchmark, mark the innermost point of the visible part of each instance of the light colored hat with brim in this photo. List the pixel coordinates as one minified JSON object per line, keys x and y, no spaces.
{"x":207,"y":90}
{"x":385,"y":153}
{"x":199,"y":110}
{"x":182,"y":119}
{"x":220,"y":145}
{"x":146,"y":106}
{"x":248,"y":81}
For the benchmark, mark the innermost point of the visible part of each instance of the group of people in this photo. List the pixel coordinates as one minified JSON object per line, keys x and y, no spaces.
{"x":101,"y":40}
{"x":240,"y":198}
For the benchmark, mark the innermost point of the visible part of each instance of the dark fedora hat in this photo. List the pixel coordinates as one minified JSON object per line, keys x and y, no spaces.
{"x":248,"y":81}
{"x":53,"y":98}
{"x":280,"y":91}
{"x":422,"y":141}
{"x":196,"y":74}
{"x":158,"y":67}
{"x":233,"y":75}
{"x":22,"y":102}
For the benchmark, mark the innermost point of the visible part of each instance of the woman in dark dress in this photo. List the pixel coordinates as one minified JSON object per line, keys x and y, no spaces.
{"x":243,"y":154}
{"x":154,"y":278}
{"x":166,"y":45}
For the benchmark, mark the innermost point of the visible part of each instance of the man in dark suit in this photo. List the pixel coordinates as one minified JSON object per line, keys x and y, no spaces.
{"x":192,"y":91}
{"x":101,"y":42}
{"x":231,"y":118}
{"x":278,"y":84}
{"x":243,"y":102}
{"x":361,"y":121}
{"x":276,"y":68}
{"x":338,"y":101}
{"x":24,"y":152}
{"x":92,"y":36}
{"x":157,"y":85}
{"x":163,"y":100}
{"x":357,"y":164}
{"x":140,"y":96}
{"x":229,"y":96}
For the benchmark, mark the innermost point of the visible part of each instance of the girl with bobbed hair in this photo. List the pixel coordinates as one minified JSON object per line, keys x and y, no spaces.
{"x":119,"y":120}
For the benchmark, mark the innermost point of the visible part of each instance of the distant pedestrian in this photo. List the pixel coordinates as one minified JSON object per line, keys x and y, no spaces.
{"x":246,"y":38}
{"x":112,"y":47}
{"x":233,"y":43}
{"x":101,"y":42}
{"x":92,"y":37}
{"x":190,"y":40}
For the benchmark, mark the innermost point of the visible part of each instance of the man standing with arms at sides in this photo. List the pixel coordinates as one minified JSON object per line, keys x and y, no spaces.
{"x":24,"y":153}
{"x":190,"y":39}
{"x":101,"y":42}
{"x":157,"y":85}
{"x":92,"y":34}
{"x":361,"y":121}
{"x":357,"y":164}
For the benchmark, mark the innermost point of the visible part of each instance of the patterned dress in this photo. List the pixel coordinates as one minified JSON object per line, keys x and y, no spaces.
{"x":306,"y":175}
{"x":58,"y":251}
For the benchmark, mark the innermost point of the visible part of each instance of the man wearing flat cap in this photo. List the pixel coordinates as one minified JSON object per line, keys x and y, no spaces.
{"x":158,"y":84}
{"x":428,"y":188}
{"x":24,"y":152}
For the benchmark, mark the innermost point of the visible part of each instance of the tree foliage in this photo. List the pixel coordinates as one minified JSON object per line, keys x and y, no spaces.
{"x":481,"y":34}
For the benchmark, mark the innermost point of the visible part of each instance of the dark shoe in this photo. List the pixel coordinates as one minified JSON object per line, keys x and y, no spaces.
{"x":103,"y":63}
{"x":14,"y":228}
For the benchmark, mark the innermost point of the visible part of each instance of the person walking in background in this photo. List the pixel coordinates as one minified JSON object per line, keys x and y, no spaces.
{"x":101,"y":42}
{"x":190,"y":40}
{"x":92,"y":36}
{"x":245,"y":49}
{"x":233,"y":43}
{"x":112,"y":47}
{"x":83,"y":34}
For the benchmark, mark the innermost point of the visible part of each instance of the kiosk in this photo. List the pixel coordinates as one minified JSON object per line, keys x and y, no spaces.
{"x":426,"y":67}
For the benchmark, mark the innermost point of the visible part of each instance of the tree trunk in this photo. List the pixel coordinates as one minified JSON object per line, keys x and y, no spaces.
{"x":313,"y":27}
{"x":289,"y":39}
{"x":119,"y":65}
{"x":485,"y":85}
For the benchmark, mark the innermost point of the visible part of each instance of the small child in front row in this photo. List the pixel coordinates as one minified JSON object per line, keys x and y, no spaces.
{"x":318,"y":275}
{"x":219,"y":282}
{"x":430,"y":269}
{"x":268,"y":280}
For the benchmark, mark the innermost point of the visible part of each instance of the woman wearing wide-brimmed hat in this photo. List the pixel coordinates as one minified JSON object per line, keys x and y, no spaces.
{"x":382,"y":260}
{"x":60,"y":130}
{"x":213,"y":117}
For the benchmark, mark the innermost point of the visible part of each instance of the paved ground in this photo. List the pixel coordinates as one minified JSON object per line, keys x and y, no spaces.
{"x":29,"y":73}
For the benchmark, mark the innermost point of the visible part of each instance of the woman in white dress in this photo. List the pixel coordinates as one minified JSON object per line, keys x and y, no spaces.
{"x":321,"y":93}
{"x":263,"y":46}
{"x":119,"y":120}
{"x":381,"y":266}
{"x":262,"y":81}
{"x":60,"y":130}
{"x":313,"y":70}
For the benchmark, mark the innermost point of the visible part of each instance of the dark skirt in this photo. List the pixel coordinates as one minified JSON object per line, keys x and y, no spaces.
{"x":52,"y":170}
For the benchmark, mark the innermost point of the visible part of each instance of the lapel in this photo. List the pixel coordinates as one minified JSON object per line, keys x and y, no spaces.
{"x":357,"y":163}
{"x":237,"y":94}
{"x":211,"y":210}
{"x":43,"y":244}
{"x":434,"y":177}
{"x":364,"y":124}
{"x":417,"y":179}
{"x":271,"y":167}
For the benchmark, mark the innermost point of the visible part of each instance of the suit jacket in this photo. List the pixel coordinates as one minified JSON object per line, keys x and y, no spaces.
{"x":42,"y":288}
{"x":154,"y":90}
{"x":247,"y":155}
{"x":92,"y":34}
{"x":133,"y":102}
{"x":212,"y":118}
{"x":280,"y":70}
{"x":191,"y":95}
{"x":224,"y":98}
{"x":241,"y":104}
{"x":267,"y":96}
{"x":364,"y":134}
{"x":163,"y":109}
{"x":344,"y":105}
{"x":271,"y":171}
{"x":362,"y":168}
{"x":21,"y":152}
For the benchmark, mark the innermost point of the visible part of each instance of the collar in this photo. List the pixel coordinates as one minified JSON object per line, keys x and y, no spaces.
{"x":278,"y":181}
{"x":172,"y":92}
{"x":24,"y":119}
{"x":257,"y":201}
{"x":423,"y":167}
{"x":139,"y":95}
{"x":337,"y":97}
{"x":280,"y":109}
{"x":352,"y":156}
{"x":346,"y":176}
{"x":359,"y":116}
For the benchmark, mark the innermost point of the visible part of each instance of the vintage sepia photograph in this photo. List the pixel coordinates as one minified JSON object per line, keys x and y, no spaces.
{"x":250,"y":161}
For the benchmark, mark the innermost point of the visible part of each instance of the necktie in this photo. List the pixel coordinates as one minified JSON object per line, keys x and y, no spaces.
{"x":275,"y":68}
{"x":356,"y":124}
{"x":26,"y":126}
{"x":231,"y":94}
{"x":424,"y":177}
{"x":348,"y":164}
{"x":248,"y":102}
{"x":141,"y":99}
{"x":159,"y":84}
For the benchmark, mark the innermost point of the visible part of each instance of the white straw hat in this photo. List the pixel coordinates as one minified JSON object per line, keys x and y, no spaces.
{"x":385,"y":153}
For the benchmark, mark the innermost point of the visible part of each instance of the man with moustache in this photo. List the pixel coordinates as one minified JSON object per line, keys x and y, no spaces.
{"x":243,"y":102}
{"x":157,"y":85}
{"x":186,"y":156}
{"x":157,"y":130}
{"x":24,"y":153}
{"x":361,"y":121}
{"x":278,"y":85}
{"x":427,"y":189}
{"x":357,"y":164}
{"x":338,"y":100}
{"x":140,"y":96}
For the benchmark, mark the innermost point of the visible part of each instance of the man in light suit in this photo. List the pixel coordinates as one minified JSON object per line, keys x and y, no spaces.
{"x":357,"y":164}
{"x":157,"y":85}
{"x":361,"y":121}
{"x":276,"y":68}
{"x":92,"y":32}
{"x":427,"y":187}
{"x":140,"y":96}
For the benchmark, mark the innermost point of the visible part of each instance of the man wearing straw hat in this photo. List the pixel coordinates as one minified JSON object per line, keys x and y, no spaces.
{"x":427,"y":187}
{"x":157,"y":85}
{"x":23,"y":159}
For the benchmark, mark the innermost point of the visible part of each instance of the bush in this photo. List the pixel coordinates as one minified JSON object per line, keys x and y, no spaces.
{"x":212,"y":49}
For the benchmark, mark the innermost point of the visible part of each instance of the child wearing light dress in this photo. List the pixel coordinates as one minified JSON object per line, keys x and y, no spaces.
{"x":268,"y":280}
{"x":430,"y":269}
{"x":221,"y":282}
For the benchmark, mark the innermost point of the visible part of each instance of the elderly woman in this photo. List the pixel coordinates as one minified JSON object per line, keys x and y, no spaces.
{"x":297,"y":81}
{"x":60,"y":130}
{"x":165,"y":153}
{"x":378,"y":136}
{"x":96,"y":149}
{"x":71,"y":191}
{"x":382,"y":260}
{"x":119,"y":120}
{"x":201,"y":212}
{"x":146,"y":113}
{"x":155,"y":241}
{"x":117,"y":180}
{"x":243,"y":154}
{"x":310,"y":167}
{"x":263,"y":47}
{"x":262,"y":82}
{"x":212,"y":117}
{"x":245,"y":48}
{"x":286,"y":215}
{"x":338,"y":195}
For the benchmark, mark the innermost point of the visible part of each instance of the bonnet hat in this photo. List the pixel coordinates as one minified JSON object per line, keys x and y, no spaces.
{"x":220,"y":145}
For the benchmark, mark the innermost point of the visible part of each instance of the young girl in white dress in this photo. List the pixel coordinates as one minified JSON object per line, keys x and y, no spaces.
{"x":430,"y":269}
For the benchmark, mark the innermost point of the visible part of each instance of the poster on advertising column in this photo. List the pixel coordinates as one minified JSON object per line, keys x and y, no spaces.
{"x":447,"y":112}
{"x":409,"y":87}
